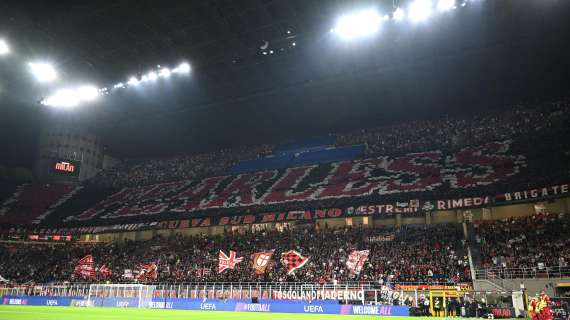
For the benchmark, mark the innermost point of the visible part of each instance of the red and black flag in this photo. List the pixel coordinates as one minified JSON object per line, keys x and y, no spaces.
{"x":293,"y":260}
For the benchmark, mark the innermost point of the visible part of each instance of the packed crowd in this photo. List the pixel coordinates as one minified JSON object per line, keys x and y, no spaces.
{"x":135,"y":173}
{"x":447,"y":135}
{"x":534,"y":242}
{"x":450,"y":134}
{"x":411,"y":254}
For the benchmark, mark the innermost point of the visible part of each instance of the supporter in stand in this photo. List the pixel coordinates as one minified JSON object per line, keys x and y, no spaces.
{"x":453,"y":133}
{"x":534,"y":243}
{"x":135,"y":173}
{"x":417,"y":254}
{"x":448,"y":134}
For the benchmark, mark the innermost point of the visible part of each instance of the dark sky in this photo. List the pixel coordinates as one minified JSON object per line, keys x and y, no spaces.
{"x":487,"y":55}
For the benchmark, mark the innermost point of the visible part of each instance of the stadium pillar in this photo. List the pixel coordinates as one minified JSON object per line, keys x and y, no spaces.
{"x":428,"y":217}
{"x":399,"y":220}
{"x":487,"y":213}
{"x":459,"y":216}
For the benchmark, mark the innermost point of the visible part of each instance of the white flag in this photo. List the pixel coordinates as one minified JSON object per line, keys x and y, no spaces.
{"x":356,"y":260}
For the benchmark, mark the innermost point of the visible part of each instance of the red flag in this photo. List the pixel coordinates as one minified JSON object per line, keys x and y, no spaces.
{"x":356,"y":260}
{"x":105,"y":272}
{"x":86,"y":268}
{"x":225,"y":262}
{"x":293,"y":260}
{"x":148,"y":271}
{"x":260,"y":261}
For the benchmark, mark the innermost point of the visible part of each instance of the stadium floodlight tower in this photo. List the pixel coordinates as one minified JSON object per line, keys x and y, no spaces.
{"x":120,"y":295}
{"x":358,"y":24}
{"x":4,"y":48}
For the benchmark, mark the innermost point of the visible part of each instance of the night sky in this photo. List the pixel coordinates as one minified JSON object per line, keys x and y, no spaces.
{"x":488,"y":55}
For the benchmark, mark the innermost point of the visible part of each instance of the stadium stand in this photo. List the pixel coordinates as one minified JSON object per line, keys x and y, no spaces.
{"x":415,"y":254}
{"x":447,"y":135}
{"x":32,"y":202}
{"x":143,"y":172}
{"x":312,"y":155}
{"x":449,"y":170}
{"x":311,"y":144}
{"x":466,"y":161}
{"x":411,"y":254}
{"x":359,"y":164}
{"x":535,"y":242}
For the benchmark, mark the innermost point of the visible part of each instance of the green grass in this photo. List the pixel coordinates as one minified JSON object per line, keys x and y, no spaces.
{"x":71,"y":313}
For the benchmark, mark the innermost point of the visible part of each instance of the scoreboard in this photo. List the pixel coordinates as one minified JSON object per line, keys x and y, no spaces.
{"x":66,"y":168}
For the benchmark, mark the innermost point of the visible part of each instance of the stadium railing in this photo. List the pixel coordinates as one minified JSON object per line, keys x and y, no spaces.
{"x":522,"y":273}
{"x":184,"y":289}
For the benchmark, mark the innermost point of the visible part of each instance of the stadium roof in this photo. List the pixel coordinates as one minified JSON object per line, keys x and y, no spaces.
{"x":486,"y":54}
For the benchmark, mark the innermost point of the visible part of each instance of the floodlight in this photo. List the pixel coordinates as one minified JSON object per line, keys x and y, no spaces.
{"x":182,"y":68}
{"x":144,"y":78}
{"x":164,"y":72}
{"x":43,"y":72}
{"x":88,"y":93}
{"x":358,"y":24}
{"x":445,"y":5}
{"x":420,"y":10}
{"x":133,"y":81}
{"x":4,"y":48}
{"x":399,"y":14}
{"x":63,"y":98}
{"x":119,"y":85}
{"x":152,"y":76}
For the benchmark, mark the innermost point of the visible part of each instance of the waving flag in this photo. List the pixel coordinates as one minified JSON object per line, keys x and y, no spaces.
{"x":225,"y":262}
{"x":356,"y":260}
{"x":86,"y":268}
{"x":148,"y":271}
{"x":293,"y":260}
{"x":105,"y":272}
{"x":260,"y":261}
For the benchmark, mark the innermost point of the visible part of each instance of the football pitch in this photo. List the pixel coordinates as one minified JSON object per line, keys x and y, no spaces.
{"x":70,"y":313}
